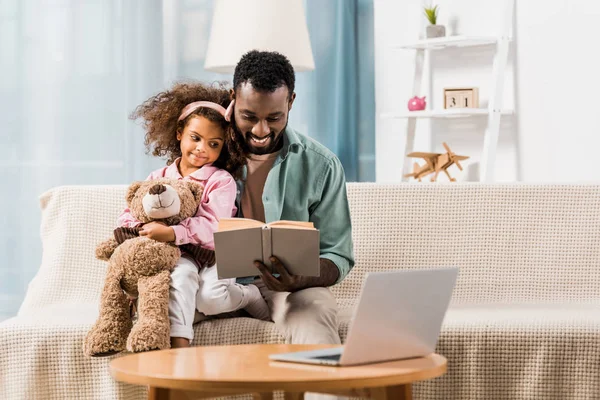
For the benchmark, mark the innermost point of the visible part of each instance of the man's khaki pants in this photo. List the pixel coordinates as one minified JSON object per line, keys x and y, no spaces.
{"x":308,"y":316}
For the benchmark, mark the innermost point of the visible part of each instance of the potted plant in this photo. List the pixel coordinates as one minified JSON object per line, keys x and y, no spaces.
{"x":434,"y":30}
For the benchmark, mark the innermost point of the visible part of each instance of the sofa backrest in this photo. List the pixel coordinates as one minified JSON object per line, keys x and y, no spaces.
{"x":515,"y":243}
{"x":512,"y":242}
{"x":74,"y":220}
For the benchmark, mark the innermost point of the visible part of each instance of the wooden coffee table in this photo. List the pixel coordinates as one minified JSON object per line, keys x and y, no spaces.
{"x":221,"y":370}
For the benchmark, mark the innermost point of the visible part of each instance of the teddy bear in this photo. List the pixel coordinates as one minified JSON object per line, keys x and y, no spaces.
{"x":139,"y":267}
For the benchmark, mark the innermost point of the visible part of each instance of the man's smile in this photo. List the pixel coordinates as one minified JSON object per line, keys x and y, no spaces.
{"x":259,"y":141}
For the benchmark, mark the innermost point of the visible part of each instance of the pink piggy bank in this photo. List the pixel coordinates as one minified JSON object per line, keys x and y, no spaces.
{"x":417,"y":103}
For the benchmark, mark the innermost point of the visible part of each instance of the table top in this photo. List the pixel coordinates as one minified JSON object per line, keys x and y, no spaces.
{"x":249,"y":367}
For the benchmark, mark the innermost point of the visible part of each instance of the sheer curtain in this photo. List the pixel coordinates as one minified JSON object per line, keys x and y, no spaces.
{"x":336,"y":102}
{"x":71,"y":71}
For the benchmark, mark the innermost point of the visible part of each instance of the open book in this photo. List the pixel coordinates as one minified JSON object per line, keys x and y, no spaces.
{"x":241,"y":241}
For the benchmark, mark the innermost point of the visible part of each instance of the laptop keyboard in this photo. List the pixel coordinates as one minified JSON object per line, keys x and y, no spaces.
{"x":333,"y":357}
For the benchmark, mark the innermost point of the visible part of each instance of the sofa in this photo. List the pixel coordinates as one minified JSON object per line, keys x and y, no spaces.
{"x":524,"y":320}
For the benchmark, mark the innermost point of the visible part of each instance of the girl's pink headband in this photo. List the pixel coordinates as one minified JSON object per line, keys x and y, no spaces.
{"x":190,"y":108}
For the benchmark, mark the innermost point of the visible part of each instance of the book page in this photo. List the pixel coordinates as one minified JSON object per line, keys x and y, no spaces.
{"x":236,"y":250}
{"x":292,"y":225}
{"x":298,"y":250}
{"x":230,"y":224}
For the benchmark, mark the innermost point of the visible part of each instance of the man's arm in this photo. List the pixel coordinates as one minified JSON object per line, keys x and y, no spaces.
{"x":329,"y":275}
{"x":331,"y":215}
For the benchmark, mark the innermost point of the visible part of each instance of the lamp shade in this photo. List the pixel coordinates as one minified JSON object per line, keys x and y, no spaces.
{"x":239,"y":26}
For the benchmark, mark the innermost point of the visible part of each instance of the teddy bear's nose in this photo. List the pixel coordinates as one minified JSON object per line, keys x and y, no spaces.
{"x":157,"y":189}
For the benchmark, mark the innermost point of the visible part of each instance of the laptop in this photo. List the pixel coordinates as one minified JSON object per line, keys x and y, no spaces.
{"x":399,"y":315}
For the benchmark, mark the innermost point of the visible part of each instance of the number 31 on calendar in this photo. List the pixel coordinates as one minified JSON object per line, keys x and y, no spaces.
{"x":463,"y":97}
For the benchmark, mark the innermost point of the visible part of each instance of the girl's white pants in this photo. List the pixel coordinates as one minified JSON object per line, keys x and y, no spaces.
{"x":191,"y":291}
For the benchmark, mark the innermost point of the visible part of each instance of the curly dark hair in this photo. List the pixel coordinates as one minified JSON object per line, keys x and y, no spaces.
{"x":161,"y":111}
{"x":265,"y":70}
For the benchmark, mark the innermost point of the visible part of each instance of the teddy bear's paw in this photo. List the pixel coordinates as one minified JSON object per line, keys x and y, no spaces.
{"x":148,"y":336}
{"x":106,"y":249}
{"x":102,"y":341}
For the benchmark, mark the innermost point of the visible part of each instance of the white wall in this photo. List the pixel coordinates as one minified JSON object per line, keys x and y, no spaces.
{"x":554,"y":86}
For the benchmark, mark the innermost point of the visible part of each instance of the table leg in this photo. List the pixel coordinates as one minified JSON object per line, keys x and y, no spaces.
{"x":293,"y":395}
{"x":262,"y":396}
{"x":155,"y":393}
{"x":400,"y":392}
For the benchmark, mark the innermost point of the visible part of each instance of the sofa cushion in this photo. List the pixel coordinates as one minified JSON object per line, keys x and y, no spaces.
{"x":519,"y":352}
{"x":216,"y":332}
{"x":45,"y":358}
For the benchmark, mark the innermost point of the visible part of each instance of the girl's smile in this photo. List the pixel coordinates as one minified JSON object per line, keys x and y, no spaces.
{"x":199,"y":157}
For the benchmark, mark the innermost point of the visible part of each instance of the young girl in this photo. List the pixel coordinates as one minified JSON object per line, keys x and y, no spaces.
{"x":188,"y":125}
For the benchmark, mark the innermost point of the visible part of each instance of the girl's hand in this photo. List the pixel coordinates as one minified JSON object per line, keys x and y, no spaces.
{"x":158,"y":231}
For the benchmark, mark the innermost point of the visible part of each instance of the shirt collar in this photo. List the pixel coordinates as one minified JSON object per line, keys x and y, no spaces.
{"x":201,"y":174}
{"x":291,"y":141}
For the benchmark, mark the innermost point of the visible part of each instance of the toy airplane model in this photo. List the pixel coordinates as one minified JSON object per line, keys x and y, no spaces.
{"x":435,"y":162}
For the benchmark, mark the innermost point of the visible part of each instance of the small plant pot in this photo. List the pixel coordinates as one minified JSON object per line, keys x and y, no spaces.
{"x":434,"y":31}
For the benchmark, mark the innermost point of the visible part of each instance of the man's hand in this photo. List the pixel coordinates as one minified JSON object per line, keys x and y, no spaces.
{"x":287,"y":282}
{"x":158,"y":231}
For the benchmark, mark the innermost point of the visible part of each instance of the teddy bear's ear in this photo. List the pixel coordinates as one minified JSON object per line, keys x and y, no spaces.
{"x":133,"y":188}
{"x":196,"y":190}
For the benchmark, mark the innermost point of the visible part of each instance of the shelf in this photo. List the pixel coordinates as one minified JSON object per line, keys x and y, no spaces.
{"x":449,"y":41}
{"x":447,"y":113}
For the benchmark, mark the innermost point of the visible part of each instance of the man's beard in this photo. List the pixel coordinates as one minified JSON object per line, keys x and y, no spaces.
{"x":245,"y":140}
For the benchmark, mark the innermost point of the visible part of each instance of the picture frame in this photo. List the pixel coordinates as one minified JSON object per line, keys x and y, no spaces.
{"x":461,"y":97}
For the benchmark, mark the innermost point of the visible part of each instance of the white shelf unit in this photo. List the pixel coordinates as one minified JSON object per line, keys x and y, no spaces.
{"x":447,"y":113}
{"x":493,"y":112}
{"x":449,"y":41}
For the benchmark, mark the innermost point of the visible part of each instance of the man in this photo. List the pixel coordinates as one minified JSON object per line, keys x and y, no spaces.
{"x":291,"y":177}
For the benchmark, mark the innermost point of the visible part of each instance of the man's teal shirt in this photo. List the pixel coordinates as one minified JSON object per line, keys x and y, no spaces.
{"x":307,"y":183}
